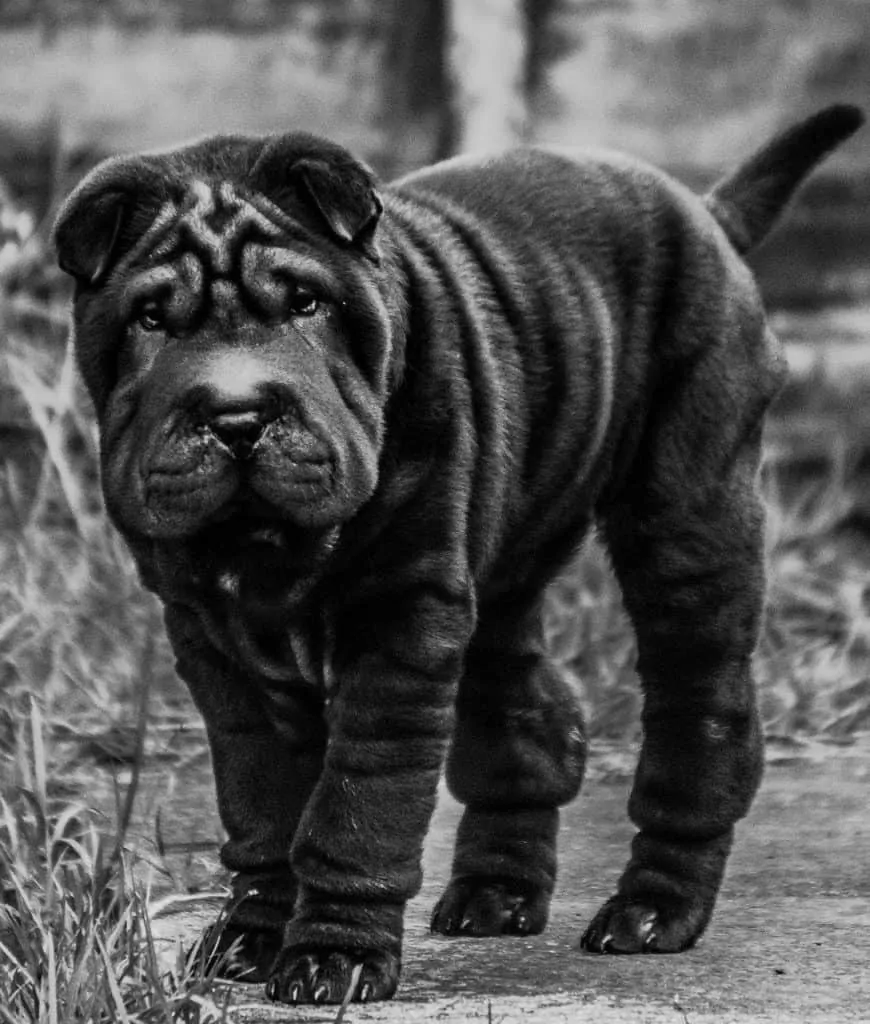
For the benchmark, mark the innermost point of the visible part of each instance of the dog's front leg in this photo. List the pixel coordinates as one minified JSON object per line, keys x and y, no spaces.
{"x":357,"y":851}
{"x":266,"y":760}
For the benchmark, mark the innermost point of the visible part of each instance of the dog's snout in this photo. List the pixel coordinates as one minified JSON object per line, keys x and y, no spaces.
{"x":235,"y":401}
{"x":236,"y":420}
{"x":239,"y":430}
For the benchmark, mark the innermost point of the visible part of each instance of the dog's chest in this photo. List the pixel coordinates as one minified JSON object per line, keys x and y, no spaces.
{"x":255,"y":612}
{"x":269,"y":637}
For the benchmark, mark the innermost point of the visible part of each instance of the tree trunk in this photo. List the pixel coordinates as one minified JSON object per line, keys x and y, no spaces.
{"x":488,"y":54}
{"x":417,"y":106}
{"x":458,"y":75}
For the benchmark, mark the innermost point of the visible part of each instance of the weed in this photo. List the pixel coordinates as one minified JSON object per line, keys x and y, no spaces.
{"x":75,"y":930}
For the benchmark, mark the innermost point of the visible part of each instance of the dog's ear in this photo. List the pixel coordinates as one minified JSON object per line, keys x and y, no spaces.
{"x":98,"y":215}
{"x":327,"y":177}
{"x":86,"y":232}
{"x":349,"y":203}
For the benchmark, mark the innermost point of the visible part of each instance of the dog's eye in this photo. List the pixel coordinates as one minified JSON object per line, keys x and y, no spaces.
{"x":304,"y":303}
{"x":150,"y":317}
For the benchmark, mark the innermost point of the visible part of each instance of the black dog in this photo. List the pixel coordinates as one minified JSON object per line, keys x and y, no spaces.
{"x":351,"y":435}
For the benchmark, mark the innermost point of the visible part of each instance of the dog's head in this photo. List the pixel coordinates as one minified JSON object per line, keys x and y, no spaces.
{"x":233,"y":324}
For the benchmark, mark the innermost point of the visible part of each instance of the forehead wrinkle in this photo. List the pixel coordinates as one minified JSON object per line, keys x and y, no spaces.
{"x":186,"y":225}
{"x":216,"y":244}
{"x":224,"y":301}
{"x":258,"y":258}
{"x":145,"y":285}
{"x":221,"y":243}
{"x":156,"y":243}
{"x":281,"y":219}
{"x":179,"y":283}
{"x":247,"y":252}
{"x":189,"y":217}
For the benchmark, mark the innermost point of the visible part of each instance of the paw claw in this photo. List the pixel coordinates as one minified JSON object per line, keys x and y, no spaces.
{"x":330,"y":975}
{"x":521,"y":923}
{"x":632,"y":925}
{"x":484,"y":906}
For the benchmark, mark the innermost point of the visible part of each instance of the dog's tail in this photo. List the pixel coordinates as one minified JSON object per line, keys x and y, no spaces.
{"x":747,"y":202}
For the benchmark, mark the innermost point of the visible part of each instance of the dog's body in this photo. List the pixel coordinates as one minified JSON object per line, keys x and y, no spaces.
{"x":351,"y":440}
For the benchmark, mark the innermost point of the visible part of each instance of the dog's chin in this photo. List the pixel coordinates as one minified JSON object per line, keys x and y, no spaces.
{"x":260,"y":561}
{"x":254,"y":527}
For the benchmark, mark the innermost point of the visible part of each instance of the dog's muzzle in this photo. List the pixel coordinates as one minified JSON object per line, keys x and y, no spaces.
{"x":237,"y":417}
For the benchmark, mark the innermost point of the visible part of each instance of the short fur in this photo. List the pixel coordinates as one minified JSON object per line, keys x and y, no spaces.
{"x":351,"y":435}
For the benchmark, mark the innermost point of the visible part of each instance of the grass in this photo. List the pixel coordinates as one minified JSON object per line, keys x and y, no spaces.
{"x":76,"y":939}
{"x":86,"y":677}
{"x":75,"y":925}
{"x":813,"y":663}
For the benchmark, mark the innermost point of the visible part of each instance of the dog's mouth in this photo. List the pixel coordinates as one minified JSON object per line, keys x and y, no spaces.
{"x":248,"y":540}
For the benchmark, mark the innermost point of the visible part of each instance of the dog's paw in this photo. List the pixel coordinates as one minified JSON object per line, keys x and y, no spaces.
{"x":236,"y":954}
{"x":487,"y":906}
{"x":324,"y":976}
{"x":626,"y":925}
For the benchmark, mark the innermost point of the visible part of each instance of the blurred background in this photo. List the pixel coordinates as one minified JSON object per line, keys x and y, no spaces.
{"x":692,"y":85}
{"x":689,"y":84}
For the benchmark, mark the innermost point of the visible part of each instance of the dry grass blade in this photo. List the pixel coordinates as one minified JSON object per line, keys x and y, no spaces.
{"x":126,"y":811}
{"x":352,"y":987}
{"x":49,"y":406}
{"x":119,"y":1009}
{"x":39,"y":759}
{"x":51,"y":980}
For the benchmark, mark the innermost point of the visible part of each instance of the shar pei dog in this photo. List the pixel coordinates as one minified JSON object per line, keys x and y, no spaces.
{"x":350,"y":434}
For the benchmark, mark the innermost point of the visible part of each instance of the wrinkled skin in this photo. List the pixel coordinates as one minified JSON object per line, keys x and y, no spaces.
{"x":350,"y":436}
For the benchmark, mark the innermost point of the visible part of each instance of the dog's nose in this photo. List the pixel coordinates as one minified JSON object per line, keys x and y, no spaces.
{"x":239,"y":430}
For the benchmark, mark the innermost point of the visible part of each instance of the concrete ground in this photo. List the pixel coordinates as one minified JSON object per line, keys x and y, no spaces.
{"x":789,"y":942}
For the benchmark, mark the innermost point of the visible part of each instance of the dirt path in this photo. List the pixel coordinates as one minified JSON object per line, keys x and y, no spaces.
{"x":788,"y":944}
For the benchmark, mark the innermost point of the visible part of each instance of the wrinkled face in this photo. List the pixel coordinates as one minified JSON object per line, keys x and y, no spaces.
{"x":237,"y":386}
{"x":238,"y":350}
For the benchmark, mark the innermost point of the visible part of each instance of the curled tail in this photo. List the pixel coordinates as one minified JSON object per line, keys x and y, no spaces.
{"x":747,"y":202}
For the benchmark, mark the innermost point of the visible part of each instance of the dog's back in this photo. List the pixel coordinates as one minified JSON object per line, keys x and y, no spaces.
{"x":577,"y":284}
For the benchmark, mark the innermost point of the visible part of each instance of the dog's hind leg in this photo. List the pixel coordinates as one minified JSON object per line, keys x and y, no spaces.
{"x":518,"y":753}
{"x":686,"y":538}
